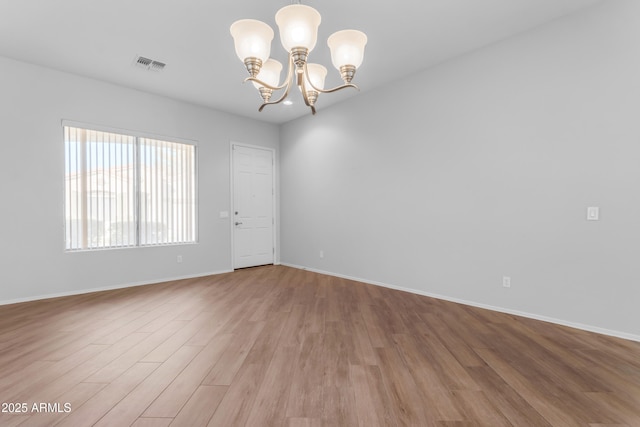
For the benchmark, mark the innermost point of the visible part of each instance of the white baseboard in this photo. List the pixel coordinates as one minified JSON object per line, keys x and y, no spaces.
{"x":589,"y":328}
{"x":110,"y":288}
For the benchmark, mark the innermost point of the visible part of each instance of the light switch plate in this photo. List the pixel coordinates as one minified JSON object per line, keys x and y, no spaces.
{"x":224,"y":214}
{"x":593,"y":213}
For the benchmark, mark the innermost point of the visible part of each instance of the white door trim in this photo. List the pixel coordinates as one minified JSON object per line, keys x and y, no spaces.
{"x":232,"y":228}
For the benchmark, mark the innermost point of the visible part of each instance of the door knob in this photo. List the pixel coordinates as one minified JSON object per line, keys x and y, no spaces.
{"x":238,"y":223}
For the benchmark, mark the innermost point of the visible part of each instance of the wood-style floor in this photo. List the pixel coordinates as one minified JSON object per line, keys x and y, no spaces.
{"x":276,"y":346}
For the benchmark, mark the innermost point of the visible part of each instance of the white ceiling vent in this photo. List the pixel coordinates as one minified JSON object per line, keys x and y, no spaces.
{"x":149,"y":64}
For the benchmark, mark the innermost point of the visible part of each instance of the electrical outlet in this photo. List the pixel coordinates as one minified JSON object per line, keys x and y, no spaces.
{"x":593,"y":213}
{"x":179,"y":259}
{"x":506,"y":281}
{"x":321,"y":254}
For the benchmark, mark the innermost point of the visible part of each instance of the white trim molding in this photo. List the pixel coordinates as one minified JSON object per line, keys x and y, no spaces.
{"x":111,"y":288}
{"x":589,"y":328}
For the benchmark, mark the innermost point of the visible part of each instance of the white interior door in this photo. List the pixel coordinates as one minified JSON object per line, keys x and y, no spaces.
{"x":253,"y":195}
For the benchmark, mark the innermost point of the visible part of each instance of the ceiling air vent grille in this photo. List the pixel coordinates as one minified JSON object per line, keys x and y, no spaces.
{"x":149,"y":64}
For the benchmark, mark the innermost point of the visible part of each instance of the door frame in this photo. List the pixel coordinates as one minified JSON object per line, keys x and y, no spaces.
{"x":274,"y":212}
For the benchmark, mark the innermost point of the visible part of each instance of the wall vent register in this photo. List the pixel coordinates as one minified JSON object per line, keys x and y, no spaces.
{"x":149,"y":64}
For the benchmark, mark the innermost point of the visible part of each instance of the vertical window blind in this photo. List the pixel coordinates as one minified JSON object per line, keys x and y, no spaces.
{"x":125,"y":191}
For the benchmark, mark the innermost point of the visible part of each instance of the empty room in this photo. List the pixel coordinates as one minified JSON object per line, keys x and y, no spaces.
{"x":320,"y":213}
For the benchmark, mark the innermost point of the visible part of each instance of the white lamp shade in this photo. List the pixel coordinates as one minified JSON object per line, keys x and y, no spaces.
{"x":269,"y":73}
{"x":252,"y":39}
{"x":298,"y":26}
{"x":347,"y":47}
{"x":317,"y":74}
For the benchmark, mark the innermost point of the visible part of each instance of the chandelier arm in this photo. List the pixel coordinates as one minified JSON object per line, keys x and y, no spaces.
{"x":286,"y":84}
{"x":268,"y":86}
{"x":305,"y":96}
{"x":335,"y":89}
{"x":303,"y":89}
{"x":279,"y":100}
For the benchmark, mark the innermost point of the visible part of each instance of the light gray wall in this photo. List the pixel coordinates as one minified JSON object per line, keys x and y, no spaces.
{"x":481,"y":168}
{"x":33,"y":102}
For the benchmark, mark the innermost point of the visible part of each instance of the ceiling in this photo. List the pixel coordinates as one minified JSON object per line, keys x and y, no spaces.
{"x":100,"y":39}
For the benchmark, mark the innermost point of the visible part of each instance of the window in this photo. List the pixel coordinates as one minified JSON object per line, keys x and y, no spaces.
{"x":125,"y":190}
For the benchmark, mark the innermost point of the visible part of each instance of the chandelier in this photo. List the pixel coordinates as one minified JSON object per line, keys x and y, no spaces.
{"x":298,"y":25}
